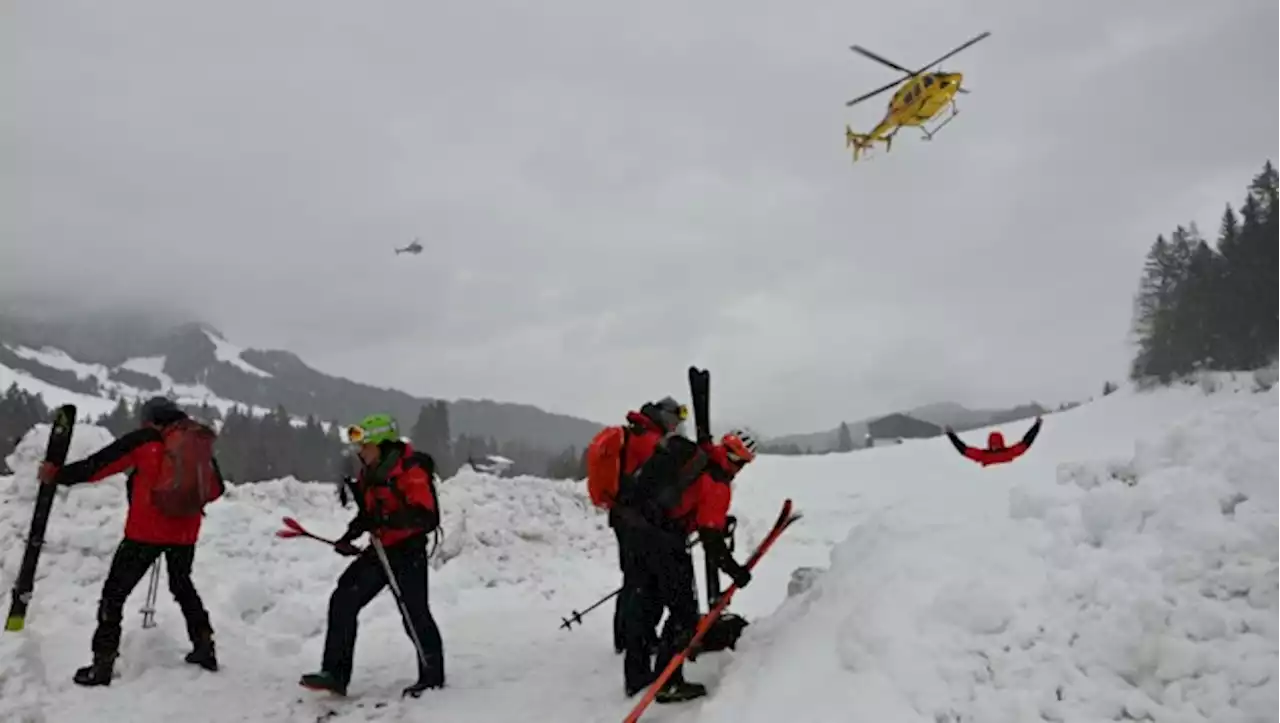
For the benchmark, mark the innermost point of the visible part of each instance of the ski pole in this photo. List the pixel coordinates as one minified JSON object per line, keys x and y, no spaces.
{"x":395,"y":591}
{"x":149,"y":609}
{"x":576,"y":617}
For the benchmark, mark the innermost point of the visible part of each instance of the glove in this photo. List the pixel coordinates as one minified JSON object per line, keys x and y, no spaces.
{"x":345,"y":548}
{"x":713,"y":543}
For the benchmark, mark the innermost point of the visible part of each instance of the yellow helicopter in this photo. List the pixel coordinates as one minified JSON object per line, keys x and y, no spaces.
{"x":920,"y":99}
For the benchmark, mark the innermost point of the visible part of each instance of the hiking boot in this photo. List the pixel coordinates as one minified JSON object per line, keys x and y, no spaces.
{"x":204,"y":655}
{"x":323,"y":680}
{"x":417,"y":688}
{"x":97,"y":673}
{"x":680,"y":691}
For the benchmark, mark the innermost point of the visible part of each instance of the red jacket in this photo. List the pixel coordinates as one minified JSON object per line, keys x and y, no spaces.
{"x":407,"y":489}
{"x":996,"y":451}
{"x":140,"y":451}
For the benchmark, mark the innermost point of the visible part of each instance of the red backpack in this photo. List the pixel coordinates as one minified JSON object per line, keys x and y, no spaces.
{"x":188,"y":480}
{"x":605,"y":457}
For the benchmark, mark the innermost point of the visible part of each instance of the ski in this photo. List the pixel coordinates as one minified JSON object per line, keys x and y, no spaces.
{"x":785,"y":518}
{"x":700,"y":395}
{"x":64,"y":420}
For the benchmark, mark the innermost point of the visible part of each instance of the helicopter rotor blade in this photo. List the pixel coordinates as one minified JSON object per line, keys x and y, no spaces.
{"x":877,"y":91}
{"x":879,"y":59}
{"x":909,"y":74}
{"x":966,"y":44}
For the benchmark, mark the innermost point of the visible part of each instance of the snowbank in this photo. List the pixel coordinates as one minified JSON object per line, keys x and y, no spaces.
{"x":1124,"y":569}
{"x":506,"y":543}
{"x":1132,"y":587}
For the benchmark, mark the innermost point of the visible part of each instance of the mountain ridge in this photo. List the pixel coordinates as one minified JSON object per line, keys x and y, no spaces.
{"x":131,"y":352}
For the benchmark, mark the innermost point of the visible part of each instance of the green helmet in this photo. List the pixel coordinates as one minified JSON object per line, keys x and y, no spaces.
{"x":374,"y":429}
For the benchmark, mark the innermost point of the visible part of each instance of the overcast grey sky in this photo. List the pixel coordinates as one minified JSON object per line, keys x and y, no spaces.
{"x":608,"y":193}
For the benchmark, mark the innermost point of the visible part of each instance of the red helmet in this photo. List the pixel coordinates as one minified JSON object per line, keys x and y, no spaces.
{"x":740,"y":446}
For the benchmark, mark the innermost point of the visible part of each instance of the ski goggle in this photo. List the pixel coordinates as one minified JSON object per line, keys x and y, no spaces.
{"x":359,"y":435}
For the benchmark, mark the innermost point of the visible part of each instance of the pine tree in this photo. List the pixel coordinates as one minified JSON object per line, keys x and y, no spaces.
{"x":568,"y":464}
{"x":844,"y":440}
{"x":431,"y":435}
{"x":1153,"y":305}
{"x":1201,"y":308}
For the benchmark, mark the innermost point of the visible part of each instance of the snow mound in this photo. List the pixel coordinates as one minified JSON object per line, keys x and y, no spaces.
{"x":1135,"y":587}
{"x":1098,"y":578}
{"x":530,"y":537}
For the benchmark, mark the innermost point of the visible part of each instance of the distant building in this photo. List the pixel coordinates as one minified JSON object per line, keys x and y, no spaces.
{"x":901,"y":426}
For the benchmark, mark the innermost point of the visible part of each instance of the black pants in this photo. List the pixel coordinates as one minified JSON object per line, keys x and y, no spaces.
{"x":659,"y":578}
{"x":363,"y":579}
{"x":128,"y":566}
{"x":623,"y":602}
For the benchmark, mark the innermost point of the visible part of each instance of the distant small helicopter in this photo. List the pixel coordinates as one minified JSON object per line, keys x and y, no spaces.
{"x":413,"y":248}
{"x":920,"y":99}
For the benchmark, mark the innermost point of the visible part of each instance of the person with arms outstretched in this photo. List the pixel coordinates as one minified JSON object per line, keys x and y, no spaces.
{"x":996,"y":452}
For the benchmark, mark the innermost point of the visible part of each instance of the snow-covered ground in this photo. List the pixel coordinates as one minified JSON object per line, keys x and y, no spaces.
{"x":1124,"y":569}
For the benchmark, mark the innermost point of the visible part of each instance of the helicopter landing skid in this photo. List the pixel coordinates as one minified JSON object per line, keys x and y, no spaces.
{"x":929,"y":134}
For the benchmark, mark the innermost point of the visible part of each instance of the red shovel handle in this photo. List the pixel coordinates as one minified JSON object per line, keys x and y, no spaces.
{"x":293,"y":528}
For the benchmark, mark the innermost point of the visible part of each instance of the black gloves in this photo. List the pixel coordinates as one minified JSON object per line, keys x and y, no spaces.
{"x":357,"y":527}
{"x":740,"y":575}
{"x":713,"y":544}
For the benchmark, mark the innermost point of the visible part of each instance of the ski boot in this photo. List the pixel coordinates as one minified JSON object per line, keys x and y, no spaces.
{"x":680,"y":691}
{"x":323,"y":680}
{"x":204,"y":655}
{"x":97,"y":673}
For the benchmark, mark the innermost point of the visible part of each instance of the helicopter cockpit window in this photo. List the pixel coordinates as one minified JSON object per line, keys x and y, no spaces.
{"x":928,"y":81}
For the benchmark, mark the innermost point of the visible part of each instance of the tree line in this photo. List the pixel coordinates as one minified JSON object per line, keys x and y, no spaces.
{"x":255,"y":447}
{"x":1211,"y":307}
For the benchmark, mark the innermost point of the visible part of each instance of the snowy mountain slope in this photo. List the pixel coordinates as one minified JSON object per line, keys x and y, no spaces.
{"x":1048,"y":589}
{"x":106,"y":380}
{"x":93,"y":352}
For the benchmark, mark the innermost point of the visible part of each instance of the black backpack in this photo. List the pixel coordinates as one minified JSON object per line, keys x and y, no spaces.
{"x":658,"y":486}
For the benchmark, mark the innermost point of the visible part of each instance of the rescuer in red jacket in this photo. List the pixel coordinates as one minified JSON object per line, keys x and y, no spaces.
{"x":647,"y":428}
{"x":396,"y":497}
{"x":148,"y":533}
{"x":683,"y":489}
{"x":996,"y":452}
